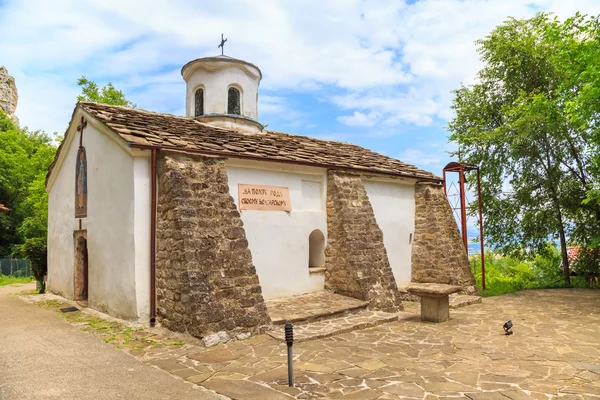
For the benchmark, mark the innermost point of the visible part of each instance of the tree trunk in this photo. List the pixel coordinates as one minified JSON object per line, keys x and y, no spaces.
{"x":563,"y":250}
{"x":42,"y":285}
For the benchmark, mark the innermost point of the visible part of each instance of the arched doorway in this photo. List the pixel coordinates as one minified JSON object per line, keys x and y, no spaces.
{"x":81,"y":279}
{"x":316,"y":249}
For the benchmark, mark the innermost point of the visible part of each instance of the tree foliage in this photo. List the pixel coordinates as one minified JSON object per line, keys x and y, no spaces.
{"x":530,"y":123}
{"x":24,"y":159}
{"x":36,"y":251}
{"x":107,"y":94}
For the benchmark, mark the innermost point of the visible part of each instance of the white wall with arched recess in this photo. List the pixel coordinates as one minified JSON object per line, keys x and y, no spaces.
{"x":279,"y":240}
{"x":394,"y":208}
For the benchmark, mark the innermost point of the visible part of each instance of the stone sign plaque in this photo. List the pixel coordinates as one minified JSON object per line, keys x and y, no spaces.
{"x":264,"y":198}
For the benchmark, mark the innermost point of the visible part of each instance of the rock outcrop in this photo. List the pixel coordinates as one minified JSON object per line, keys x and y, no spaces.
{"x":8,"y":94}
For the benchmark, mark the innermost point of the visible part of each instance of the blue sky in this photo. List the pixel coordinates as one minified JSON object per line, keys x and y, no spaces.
{"x":375,"y":73}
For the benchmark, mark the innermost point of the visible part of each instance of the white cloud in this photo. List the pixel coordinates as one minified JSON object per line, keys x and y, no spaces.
{"x":419,"y":157}
{"x":359,"y":119}
{"x":381,"y":57}
{"x":277,"y":109}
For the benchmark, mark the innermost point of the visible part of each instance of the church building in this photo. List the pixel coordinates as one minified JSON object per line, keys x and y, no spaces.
{"x":195,"y":221}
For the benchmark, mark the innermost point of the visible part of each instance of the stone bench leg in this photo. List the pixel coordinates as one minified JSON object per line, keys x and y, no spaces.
{"x":435,"y":308}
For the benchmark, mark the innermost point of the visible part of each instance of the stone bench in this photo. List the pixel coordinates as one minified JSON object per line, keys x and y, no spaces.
{"x":435,"y":304}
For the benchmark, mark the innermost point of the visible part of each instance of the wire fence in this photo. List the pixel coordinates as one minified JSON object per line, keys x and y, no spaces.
{"x":15,"y":267}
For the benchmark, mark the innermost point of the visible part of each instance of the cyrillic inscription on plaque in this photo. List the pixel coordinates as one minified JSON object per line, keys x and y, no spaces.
{"x":264,"y":198}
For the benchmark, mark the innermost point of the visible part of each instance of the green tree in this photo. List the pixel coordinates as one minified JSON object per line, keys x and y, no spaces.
{"x":514,"y":123}
{"x":24,"y":159}
{"x":107,"y":94}
{"x":577,"y":58}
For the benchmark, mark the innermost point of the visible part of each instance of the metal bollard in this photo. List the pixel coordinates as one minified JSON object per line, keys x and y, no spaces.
{"x":289,"y":340}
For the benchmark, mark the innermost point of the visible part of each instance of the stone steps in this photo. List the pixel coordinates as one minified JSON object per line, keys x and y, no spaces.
{"x":322,"y":315}
{"x":336,"y":325}
{"x":462,"y":300}
{"x":312,"y":307}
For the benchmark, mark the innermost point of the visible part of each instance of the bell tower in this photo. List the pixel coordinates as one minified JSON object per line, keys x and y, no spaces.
{"x":223,"y":91}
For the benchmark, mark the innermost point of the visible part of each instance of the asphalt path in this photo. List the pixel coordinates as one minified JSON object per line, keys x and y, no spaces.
{"x":44,"y":357}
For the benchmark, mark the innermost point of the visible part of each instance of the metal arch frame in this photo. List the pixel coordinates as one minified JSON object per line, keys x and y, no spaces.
{"x":461,"y":168}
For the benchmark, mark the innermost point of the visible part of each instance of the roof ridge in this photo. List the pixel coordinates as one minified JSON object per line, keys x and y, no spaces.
{"x":149,"y":128}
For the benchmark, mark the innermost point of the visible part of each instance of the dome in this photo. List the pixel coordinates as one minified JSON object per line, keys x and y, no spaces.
{"x":223,"y":91}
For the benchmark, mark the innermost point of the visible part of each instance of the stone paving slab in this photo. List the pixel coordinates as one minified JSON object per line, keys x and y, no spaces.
{"x":311,"y":307}
{"x":245,"y":390}
{"x":432,"y":289}
{"x":335,"y":326}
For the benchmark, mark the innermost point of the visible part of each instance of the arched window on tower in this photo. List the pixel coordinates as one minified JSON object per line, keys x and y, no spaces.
{"x":233,"y":101}
{"x":199,"y":107}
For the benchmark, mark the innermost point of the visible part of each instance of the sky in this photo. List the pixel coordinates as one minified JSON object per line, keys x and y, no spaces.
{"x":379,"y":74}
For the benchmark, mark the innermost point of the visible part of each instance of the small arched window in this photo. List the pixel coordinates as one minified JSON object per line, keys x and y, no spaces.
{"x":233,"y":101}
{"x":199,"y":104}
{"x":316,"y":249}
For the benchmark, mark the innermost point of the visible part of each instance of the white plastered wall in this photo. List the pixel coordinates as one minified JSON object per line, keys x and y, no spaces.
{"x":393,"y":204}
{"x":111,"y":216}
{"x":142,"y":169}
{"x":278,"y":240}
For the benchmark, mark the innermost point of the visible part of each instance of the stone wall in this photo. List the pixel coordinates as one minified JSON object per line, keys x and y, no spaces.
{"x":355,"y":257}
{"x":438,"y":252}
{"x":205,"y":279}
{"x":8,"y":94}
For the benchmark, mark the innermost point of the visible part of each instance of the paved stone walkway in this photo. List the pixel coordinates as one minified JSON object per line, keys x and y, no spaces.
{"x":555,"y":351}
{"x":43,"y":358}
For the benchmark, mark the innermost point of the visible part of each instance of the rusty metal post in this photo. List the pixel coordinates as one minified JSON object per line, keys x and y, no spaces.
{"x":481,"y":229}
{"x":444,"y":176}
{"x":153,"y":240}
{"x":463,"y":208}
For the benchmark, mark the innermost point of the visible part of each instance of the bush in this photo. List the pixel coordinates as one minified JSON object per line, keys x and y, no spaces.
{"x":505,"y":274}
{"x":587,"y":264}
{"x":35,"y":249}
{"x":547,"y":269}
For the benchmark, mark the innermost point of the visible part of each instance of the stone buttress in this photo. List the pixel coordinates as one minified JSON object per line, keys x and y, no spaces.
{"x":438,"y":252}
{"x":205,"y":279}
{"x":355,"y":257}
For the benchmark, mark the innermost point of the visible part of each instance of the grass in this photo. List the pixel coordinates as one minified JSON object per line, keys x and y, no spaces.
{"x":25,"y":293}
{"x":9,"y":280}
{"x":111,"y":332}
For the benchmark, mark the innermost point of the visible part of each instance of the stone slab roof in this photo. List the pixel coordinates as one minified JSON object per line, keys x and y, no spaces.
{"x":139,"y":127}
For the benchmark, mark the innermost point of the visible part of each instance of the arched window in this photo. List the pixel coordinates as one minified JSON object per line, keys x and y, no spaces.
{"x":199,"y":109}
{"x":81,"y":195}
{"x":233,"y":101}
{"x":316,"y":249}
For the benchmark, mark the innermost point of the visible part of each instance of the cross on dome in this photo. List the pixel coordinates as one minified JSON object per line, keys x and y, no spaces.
{"x":222,"y":45}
